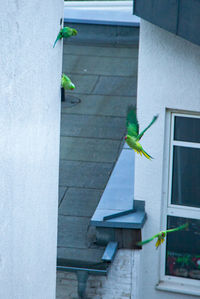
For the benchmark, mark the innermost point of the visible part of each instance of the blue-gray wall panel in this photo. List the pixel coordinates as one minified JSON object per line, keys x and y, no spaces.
{"x":189,"y":18}
{"x":180,"y":17}
{"x":159,"y":12}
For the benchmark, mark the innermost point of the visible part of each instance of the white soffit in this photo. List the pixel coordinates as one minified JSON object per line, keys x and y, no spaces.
{"x":101,"y":12}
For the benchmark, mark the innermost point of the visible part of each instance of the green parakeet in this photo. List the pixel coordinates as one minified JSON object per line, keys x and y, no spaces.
{"x":65,"y":32}
{"x":161,"y":235}
{"x":66,"y":83}
{"x":132,"y":137}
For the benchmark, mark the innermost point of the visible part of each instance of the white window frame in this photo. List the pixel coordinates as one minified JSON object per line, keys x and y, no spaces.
{"x":173,"y":283}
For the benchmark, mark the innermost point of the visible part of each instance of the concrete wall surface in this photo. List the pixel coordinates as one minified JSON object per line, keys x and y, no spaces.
{"x":118,"y":284}
{"x":30,"y":72}
{"x":168,"y":77}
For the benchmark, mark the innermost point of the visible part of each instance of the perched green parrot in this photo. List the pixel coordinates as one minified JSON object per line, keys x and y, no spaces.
{"x":132,"y":137}
{"x":161,"y":235}
{"x":65,"y":32}
{"x":66,"y":83}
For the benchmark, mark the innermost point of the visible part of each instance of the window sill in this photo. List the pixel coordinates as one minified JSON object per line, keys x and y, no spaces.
{"x":101,"y":12}
{"x":179,"y":288}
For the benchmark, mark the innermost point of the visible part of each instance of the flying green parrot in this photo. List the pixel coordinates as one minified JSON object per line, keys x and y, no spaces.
{"x":66,"y":83}
{"x":132,"y":137}
{"x":161,"y":235}
{"x":65,"y":32}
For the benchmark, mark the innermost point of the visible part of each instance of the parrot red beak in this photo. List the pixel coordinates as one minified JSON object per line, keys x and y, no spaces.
{"x":125,"y":137}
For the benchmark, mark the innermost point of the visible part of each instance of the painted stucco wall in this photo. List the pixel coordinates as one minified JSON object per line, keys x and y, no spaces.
{"x":168,"y":77}
{"x":30,"y":72}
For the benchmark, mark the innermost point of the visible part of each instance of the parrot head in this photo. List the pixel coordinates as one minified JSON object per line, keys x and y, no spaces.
{"x":72,"y":86}
{"x":127,"y":138}
{"x":74,"y":32}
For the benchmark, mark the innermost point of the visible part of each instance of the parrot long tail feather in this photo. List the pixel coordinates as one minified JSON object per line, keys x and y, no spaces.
{"x":151,"y":123}
{"x":159,"y":242}
{"x":58,"y":37}
{"x":146,"y":155}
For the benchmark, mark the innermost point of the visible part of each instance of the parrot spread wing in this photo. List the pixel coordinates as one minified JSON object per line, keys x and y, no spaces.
{"x":132,"y":122}
{"x":151,"y":123}
{"x":161,"y":235}
{"x":177,"y":228}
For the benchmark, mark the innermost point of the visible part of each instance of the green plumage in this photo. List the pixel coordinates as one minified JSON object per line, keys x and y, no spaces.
{"x":161,"y":235}
{"x":132,"y":122}
{"x":66,"y":83}
{"x":65,"y":32}
{"x":133,"y":136}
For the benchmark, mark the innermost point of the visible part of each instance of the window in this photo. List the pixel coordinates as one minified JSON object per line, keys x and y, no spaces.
{"x":180,"y":259}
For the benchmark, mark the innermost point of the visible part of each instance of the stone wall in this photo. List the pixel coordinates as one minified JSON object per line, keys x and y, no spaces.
{"x":120,"y":282}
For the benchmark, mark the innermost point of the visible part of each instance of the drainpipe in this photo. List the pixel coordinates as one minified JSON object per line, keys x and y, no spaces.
{"x":82,"y":277}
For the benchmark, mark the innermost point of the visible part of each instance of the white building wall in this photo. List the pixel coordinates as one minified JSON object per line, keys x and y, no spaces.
{"x":168,"y":77}
{"x":30,"y":72}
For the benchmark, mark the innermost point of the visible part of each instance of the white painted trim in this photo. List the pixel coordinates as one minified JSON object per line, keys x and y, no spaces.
{"x":183,"y":211}
{"x":187,"y":114}
{"x":166,"y":179}
{"x":189,"y":282}
{"x":186,"y":144}
{"x":101,"y":12}
{"x":171,"y":153}
{"x":178,"y":288}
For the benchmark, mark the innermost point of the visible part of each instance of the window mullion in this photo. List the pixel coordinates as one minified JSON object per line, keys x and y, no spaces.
{"x":186,"y":144}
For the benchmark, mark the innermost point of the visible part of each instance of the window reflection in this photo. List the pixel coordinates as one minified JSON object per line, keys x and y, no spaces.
{"x":186,"y":177}
{"x":187,"y":129}
{"x":183,"y":249}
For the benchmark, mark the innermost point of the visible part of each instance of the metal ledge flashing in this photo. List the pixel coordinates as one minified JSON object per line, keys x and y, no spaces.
{"x":101,"y":12}
{"x":130,"y":219}
{"x":117,"y":207}
{"x":89,"y":270}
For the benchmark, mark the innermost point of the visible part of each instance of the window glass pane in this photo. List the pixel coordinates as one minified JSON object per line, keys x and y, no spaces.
{"x":183,"y":249}
{"x":187,"y":129}
{"x":186,"y":177}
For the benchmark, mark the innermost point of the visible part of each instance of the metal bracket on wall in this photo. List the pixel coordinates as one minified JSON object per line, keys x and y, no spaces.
{"x":69,"y":100}
{"x":110,"y":252}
